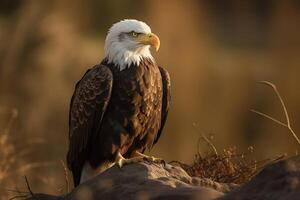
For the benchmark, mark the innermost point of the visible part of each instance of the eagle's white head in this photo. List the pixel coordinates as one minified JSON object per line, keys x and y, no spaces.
{"x":128,"y":42}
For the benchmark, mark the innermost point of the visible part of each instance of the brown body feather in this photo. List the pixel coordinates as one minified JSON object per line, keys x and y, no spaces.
{"x":115,"y":111}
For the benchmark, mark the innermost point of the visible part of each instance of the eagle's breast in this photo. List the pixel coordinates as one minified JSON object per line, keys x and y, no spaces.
{"x":134,"y":114}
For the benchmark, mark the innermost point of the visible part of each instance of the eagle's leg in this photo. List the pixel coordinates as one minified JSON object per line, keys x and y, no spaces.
{"x":120,"y":161}
{"x":149,"y":158}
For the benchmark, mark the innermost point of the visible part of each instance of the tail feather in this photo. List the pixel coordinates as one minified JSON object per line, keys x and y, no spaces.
{"x":76,"y":177}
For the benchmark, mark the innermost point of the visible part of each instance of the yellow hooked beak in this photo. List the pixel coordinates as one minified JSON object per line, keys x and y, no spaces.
{"x":149,"y":39}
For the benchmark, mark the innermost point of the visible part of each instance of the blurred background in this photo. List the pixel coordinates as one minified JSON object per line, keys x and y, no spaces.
{"x":215,"y":52}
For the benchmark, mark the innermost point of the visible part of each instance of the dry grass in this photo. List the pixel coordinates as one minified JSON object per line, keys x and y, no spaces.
{"x":226,"y":167}
{"x":66,"y":174}
{"x":231,"y":166}
{"x":10,"y":161}
{"x":14,"y":165}
{"x":8,"y":151}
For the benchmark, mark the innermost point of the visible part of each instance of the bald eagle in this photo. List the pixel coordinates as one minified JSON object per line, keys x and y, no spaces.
{"x":120,"y":106}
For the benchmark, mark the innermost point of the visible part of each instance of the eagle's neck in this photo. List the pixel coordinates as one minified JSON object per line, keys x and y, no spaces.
{"x":123,"y":58}
{"x":116,"y":68}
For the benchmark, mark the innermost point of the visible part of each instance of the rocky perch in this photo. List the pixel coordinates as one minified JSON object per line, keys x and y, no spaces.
{"x":144,"y":181}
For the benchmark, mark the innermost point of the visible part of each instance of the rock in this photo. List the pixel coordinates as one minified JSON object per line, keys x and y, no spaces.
{"x":278,"y":181}
{"x":144,"y":181}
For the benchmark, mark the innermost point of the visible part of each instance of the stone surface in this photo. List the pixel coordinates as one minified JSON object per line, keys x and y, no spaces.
{"x":278,"y":181}
{"x":144,"y":181}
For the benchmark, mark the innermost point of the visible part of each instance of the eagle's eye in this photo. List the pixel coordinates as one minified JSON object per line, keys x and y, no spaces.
{"x":134,"y":34}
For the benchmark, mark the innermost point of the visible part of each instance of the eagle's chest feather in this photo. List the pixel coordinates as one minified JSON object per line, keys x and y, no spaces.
{"x":137,"y":91}
{"x":136,"y":101}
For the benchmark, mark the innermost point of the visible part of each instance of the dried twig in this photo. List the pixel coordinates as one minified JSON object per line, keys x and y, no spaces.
{"x":16,"y":191}
{"x":19,"y":194}
{"x":206,"y":139}
{"x":287,"y":124}
{"x":269,"y":117}
{"x":18,"y":197}
{"x":66,"y":175}
{"x":23,"y":195}
{"x":14,"y":115}
{"x":28,"y":187}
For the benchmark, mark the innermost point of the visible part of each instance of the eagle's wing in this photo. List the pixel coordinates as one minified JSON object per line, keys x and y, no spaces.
{"x":166,"y":99}
{"x":88,"y":104}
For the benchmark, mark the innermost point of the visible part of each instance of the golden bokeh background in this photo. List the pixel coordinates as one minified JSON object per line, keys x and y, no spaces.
{"x":215,"y":52}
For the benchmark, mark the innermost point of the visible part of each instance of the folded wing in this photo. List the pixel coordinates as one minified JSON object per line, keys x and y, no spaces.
{"x":88,"y":105}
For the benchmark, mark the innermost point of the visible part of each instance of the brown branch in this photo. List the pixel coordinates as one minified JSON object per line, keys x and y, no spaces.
{"x":288,"y":123}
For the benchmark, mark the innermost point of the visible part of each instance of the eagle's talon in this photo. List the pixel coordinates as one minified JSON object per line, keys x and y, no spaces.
{"x":120,"y":161}
{"x":163,"y":163}
{"x":119,"y":164}
{"x":150,"y":159}
{"x":153,"y":159}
